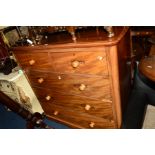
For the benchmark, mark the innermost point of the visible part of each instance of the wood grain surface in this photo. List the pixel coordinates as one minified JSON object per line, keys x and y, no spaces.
{"x":95,"y":86}
{"x":84,"y":84}
{"x":41,"y":60}
{"x":147,"y":67}
{"x":98,"y":108}
{"x":76,"y":119}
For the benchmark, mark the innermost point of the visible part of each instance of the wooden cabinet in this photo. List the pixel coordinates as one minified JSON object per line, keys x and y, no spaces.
{"x":84,"y":84}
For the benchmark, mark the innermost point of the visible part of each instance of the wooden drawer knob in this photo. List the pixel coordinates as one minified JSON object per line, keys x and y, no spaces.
{"x":87,"y":107}
{"x":92,"y":124}
{"x":48,"y":98}
{"x":82,"y":87}
{"x":56,"y":112}
{"x":40,"y":80}
{"x":31,"y":62}
{"x":100,"y":58}
{"x":75,"y":64}
{"x":59,"y":77}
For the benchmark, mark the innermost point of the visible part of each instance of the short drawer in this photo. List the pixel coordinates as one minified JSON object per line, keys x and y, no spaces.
{"x":89,"y":62}
{"x":35,"y":60}
{"x":77,"y":120}
{"x":102,"y":109}
{"x":89,"y":86}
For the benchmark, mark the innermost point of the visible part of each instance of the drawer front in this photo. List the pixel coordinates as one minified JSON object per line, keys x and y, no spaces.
{"x":80,"y":104}
{"x":34,"y":60}
{"x":81,"y":62}
{"x":89,"y":86}
{"x":76,"y":120}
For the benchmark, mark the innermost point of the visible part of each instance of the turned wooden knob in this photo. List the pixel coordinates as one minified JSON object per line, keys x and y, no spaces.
{"x":31,"y":62}
{"x":92,"y":124}
{"x":59,"y":77}
{"x":48,"y":98}
{"x":75,"y":64}
{"x":87,"y":107}
{"x":40,"y":80}
{"x":55,"y":112}
{"x":100,"y":58}
{"x":82,"y":87}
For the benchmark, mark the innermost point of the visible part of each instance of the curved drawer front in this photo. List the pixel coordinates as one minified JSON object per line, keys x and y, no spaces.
{"x":78,"y":104}
{"x":81,"y":62}
{"x":77,"y":120}
{"x":90,"y":86}
{"x":36,"y":60}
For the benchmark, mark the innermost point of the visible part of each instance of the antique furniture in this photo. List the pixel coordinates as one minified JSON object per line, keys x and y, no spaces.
{"x":83,"y":78}
{"x":147,"y":75}
{"x":141,"y":40}
{"x":16,"y":86}
{"x":33,"y":120}
{"x":147,"y":70}
{"x":4,"y":55}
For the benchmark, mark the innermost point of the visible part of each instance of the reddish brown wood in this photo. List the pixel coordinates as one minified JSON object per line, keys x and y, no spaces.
{"x":76,"y":119}
{"x":95,"y":86}
{"x":119,"y":58}
{"x":87,"y":82}
{"x":40,"y":60}
{"x":60,"y":41}
{"x":152,"y":50}
{"x":147,"y":67}
{"x":90,"y":62}
{"x":124,"y":64}
{"x":75,"y":103}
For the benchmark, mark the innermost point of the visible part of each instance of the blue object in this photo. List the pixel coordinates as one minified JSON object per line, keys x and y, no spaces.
{"x":11,"y":120}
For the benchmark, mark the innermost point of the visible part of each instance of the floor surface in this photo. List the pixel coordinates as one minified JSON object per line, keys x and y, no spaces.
{"x":10,"y":120}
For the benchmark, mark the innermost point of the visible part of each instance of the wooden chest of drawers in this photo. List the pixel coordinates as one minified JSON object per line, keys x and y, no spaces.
{"x":84,"y":84}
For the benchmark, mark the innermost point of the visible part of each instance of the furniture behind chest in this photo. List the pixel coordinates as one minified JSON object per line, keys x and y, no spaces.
{"x":82,"y":80}
{"x":16,"y":86}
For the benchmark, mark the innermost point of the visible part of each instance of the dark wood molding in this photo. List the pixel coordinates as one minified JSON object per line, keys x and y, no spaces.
{"x":33,"y":120}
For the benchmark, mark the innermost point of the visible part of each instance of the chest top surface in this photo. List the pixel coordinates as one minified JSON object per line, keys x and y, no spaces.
{"x":90,"y":36}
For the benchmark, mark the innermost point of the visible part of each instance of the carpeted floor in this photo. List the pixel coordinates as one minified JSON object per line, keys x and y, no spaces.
{"x":10,"y":120}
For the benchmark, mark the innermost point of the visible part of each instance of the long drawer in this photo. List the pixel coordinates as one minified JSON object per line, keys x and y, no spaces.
{"x":81,"y":62}
{"x":90,"y":86}
{"x":89,"y":62}
{"x":76,"y":120}
{"x":102,"y":109}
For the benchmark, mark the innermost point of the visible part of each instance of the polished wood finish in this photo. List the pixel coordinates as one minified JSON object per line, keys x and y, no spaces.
{"x":152,"y":50}
{"x":147,"y":67}
{"x":89,"y":62}
{"x":76,"y":119}
{"x":76,"y":103}
{"x":84,"y":84}
{"x":81,"y":61}
{"x":34,"y":61}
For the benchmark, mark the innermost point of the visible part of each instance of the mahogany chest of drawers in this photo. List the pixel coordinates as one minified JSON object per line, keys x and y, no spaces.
{"x":84,"y":84}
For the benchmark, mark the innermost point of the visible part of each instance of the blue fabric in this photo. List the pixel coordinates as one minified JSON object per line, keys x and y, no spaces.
{"x":55,"y":125}
{"x":11,"y":120}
